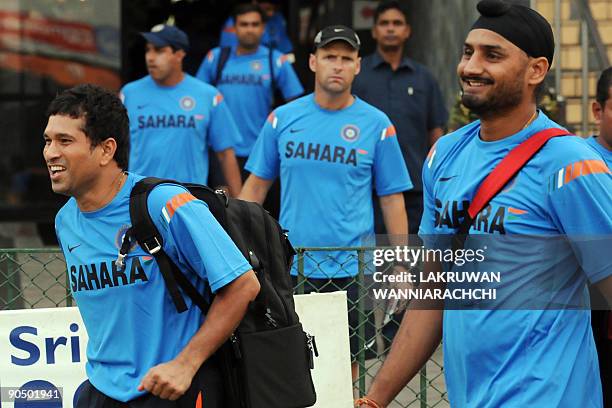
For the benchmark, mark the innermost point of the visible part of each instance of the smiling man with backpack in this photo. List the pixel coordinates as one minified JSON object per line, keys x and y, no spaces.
{"x":141,"y":352}
{"x":512,"y":175}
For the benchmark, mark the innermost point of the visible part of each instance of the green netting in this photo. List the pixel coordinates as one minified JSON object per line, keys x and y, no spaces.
{"x":36,"y":278}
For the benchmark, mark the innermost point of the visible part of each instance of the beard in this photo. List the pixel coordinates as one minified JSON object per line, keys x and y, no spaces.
{"x":390,"y":48}
{"x":249,"y":43}
{"x":507,"y":96}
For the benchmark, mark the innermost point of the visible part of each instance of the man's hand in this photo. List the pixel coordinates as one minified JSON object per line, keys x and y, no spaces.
{"x":168,"y":380}
{"x":255,"y":189}
{"x":231,"y":171}
{"x":401,"y":304}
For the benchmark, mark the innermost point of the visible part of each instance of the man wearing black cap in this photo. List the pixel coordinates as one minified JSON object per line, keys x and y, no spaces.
{"x":329,"y":149}
{"x":175,"y":117}
{"x":540,"y":354}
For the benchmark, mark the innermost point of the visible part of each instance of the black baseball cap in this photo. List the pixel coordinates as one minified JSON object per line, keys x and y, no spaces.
{"x":337,"y":33}
{"x":165,"y":35}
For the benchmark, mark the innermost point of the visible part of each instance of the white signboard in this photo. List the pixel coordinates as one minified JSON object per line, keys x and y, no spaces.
{"x":43,"y":356}
{"x":42,"y":353}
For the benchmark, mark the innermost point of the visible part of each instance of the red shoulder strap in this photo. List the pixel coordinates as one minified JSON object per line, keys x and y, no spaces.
{"x":509,"y":167}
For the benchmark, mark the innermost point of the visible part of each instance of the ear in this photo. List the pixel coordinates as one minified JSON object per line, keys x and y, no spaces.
{"x":538,"y":68}
{"x":597,"y":112}
{"x":408,"y":31}
{"x":180,"y":54}
{"x":358,"y":66}
{"x":312,"y":63}
{"x":108,"y":148}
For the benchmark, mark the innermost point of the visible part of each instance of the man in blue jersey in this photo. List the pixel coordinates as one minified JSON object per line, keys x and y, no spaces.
{"x":602,"y":319}
{"x":329,"y":149}
{"x":530,"y":357}
{"x":275,"y":34}
{"x":174,"y":117}
{"x":141,"y":351}
{"x":246,"y":78}
{"x":252,"y":78}
{"x":602,"y":111}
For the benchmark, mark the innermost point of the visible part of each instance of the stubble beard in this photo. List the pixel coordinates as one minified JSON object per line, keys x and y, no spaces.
{"x":500,"y":100}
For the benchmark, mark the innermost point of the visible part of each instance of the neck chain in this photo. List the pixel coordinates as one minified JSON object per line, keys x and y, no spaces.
{"x":531,"y":119}
{"x":116,"y":186}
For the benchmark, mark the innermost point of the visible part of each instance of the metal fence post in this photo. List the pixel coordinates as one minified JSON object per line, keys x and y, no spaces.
{"x":300,"y":267}
{"x":361,"y":322}
{"x":12,"y":283}
{"x":423,"y":383}
{"x":68,"y":292}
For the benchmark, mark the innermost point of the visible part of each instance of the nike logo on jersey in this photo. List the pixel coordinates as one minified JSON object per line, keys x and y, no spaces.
{"x":442,"y":179}
{"x":141,"y":106}
{"x":72,"y":248}
{"x":295,"y":130}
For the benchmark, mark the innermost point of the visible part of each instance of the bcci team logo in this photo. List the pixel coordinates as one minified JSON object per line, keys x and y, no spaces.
{"x":120,"y":235}
{"x":350,"y":133}
{"x":256,"y":65}
{"x":187,"y":103}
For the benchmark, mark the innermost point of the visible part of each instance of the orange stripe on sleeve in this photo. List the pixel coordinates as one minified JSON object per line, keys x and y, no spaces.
{"x":391,"y":131}
{"x":577,"y":170}
{"x":568,"y":173}
{"x":516,"y":211}
{"x":594,"y":167}
{"x":271,"y":117}
{"x":177,"y":202}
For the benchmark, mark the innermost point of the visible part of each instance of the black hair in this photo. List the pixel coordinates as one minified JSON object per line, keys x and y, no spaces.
{"x":104,"y":114}
{"x":603,"y":86}
{"x":241,"y":9}
{"x":389,"y":5}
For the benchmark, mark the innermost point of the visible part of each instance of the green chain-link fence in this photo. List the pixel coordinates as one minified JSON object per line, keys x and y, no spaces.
{"x":36,"y":278}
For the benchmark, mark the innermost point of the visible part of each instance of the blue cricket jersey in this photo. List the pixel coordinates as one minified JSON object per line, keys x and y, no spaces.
{"x":524,"y":358}
{"x":172,"y":127}
{"x":605,"y":153}
{"x":131,"y":320}
{"x":247,"y":88}
{"x":328,"y":163}
{"x":275,"y":34}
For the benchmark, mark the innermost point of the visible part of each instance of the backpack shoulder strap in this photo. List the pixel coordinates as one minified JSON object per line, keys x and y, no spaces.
{"x":502,"y":174}
{"x":271,"y":65}
{"x":223,"y":57}
{"x":147,"y":235}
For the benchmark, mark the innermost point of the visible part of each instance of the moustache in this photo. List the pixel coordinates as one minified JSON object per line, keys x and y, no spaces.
{"x":487,"y":81}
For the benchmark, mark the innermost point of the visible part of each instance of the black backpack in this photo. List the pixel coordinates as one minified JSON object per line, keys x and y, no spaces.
{"x":267,"y":360}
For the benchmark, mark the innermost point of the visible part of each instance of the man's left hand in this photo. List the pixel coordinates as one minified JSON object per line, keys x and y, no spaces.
{"x":168,"y":381}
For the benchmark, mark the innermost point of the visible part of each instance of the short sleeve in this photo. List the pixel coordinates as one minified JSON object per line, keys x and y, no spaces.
{"x":194,"y":238}
{"x":427,"y":226}
{"x":438,"y":114}
{"x":580,"y":202}
{"x":205,"y":72}
{"x":390,"y":170}
{"x":288,"y":82}
{"x":223,"y":131}
{"x":264,"y":160}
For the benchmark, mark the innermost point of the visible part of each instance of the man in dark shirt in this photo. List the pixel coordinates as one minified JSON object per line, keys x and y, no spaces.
{"x":407,"y":92}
